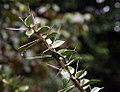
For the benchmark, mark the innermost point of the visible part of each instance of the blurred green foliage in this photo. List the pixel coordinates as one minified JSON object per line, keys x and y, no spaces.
{"x":92,"y":27}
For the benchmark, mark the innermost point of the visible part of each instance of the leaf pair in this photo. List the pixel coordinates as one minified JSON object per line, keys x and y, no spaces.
{"x":29,"y":22}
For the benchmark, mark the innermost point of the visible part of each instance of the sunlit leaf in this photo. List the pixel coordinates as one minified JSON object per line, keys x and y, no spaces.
{"x":56,"y":7}
{"x":29,"y":32}
{"x":96,"y":89}
{"x":43,"y":29}
{"x":92,"y":81}
{"x":48,"y":41}
{"x":65,"y":77}
{"x":23,"y":88}
{"x":65,"y":74}
{"x":71,"y":69}
{"x":51,"y":35}
{"x":80,"y":74}
{"x":83,"y":82}
{"x":28,"y":21}
{"x":57,"y":43}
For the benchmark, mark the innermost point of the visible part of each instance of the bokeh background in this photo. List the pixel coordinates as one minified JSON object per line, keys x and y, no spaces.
{"x":92,"y":25}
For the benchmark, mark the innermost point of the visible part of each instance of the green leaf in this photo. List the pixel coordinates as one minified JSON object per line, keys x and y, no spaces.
{"x":61,"y":51}
{"x":65,"y":81}
{"x":83,"y":82}
{"x":51,"y":35}
{"x":23,"y":88}
{"x":68,"y":52}
{"x":57,"y":43}
{"x":92,"y":81}
{"x":29,"y":20}
{"x":80,"y":74}
{"x":29,"y":32}
{"x":56,"y":54}
{"x":71,"y":69}
{"x":96,"y":89}
{"x":43,"y":29}
{"x":74,"y":60}
{"x":65,"y":76}
{"x":49,"y":41}
{"x":70,"y":88}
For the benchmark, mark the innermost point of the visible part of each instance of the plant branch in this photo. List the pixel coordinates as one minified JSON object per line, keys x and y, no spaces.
{"x":61,"y":63}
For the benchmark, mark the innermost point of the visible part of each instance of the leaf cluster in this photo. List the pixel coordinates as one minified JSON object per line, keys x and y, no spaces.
{"x":63,"y":57}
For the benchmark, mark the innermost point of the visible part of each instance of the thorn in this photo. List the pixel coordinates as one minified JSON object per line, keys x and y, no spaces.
{"x":52,"y":66}
{"x":23,"y":22}
{"x":39,"y":57}
{"x":30,"y":43}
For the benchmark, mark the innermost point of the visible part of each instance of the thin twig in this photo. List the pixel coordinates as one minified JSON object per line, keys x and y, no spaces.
{"x":72,"y":54}
{"x":39,"y":57}
{"x":23,"y":21}
{"x":52,"y":66}
{"x":28,"y":43}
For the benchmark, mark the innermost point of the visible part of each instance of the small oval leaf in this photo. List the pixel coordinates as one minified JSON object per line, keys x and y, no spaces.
{"x":43,"y":29}
{"x":80,"y":74}
{"x":65,"y":74}
{"x":23,"y":88}
{"x":83,"y":82}
{"x":57,"y":43}
{"x":65,"y":77}
{"x":92,"y":81}
{"x":96,"y":89}
{"x":49,"y":41}
{"x":28,"y":21}
{"x":74,"y":60}
{"x":29,"y":32}
{"x":51,"y":35}
{"x":60,"y":51}
{"x":71,"y":69}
